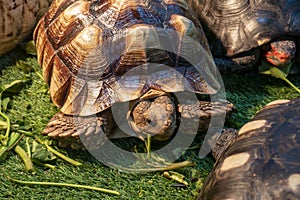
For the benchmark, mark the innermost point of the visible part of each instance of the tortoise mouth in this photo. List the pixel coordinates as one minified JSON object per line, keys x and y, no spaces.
{"x":279,"y":59}
{"x":281,"y":53}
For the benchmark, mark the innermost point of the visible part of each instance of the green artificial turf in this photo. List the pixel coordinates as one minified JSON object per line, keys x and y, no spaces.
{"x":30,"y":107}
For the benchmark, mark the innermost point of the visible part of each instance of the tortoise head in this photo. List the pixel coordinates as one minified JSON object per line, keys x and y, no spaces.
{"x":281,"y":52}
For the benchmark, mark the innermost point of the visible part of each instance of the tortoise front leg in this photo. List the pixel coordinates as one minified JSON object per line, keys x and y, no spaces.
{"x":80,"y":132}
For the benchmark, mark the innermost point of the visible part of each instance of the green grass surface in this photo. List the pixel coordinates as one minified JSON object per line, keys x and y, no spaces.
{"x":31,"y":108}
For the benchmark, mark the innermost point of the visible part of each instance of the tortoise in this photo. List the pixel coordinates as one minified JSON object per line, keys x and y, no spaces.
{"x":18,"y":18}
{"x":88,"y":51}
{"x":241,"y":33}
{"x":262,"y":162}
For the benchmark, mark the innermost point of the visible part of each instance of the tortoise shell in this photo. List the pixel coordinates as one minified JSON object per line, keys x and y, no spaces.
{"x":263,"y":160}
{"x":18,"y":18}
{"x":86,"y":47}
{"x":237,"y":26}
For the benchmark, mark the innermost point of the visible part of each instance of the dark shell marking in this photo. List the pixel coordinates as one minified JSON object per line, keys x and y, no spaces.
{"x":263,"y":160}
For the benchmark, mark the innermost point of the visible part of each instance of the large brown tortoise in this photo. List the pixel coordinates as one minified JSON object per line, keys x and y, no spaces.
{"x":88,"y":51}
{"x":18,"y":19}
{"x":263,"y":161}
{"x":243,"y":32}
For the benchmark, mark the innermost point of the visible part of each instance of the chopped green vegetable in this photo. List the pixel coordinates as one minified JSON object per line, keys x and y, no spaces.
{"x":41,"y":153}
{"x":64,"y":185}
{"x":278,"y":73}
{"x":11,"y":141}
{"x":23,"y":155}
{"x":175,"y":176}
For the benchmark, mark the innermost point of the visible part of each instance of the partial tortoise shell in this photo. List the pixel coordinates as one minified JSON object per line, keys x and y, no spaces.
{"x":76,"y":46}
{"x":263,"y":162}
{"x":18,"y":18}
{"x":237,"y":26}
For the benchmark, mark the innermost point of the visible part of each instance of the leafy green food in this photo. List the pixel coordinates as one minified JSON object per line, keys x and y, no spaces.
{"x":9,"y":142}
{"x":277,"y":72}
{"x":15,"y":132}
{"x":41,"y":153}
{"x":13,"y":87}
{"x":29,"y":47}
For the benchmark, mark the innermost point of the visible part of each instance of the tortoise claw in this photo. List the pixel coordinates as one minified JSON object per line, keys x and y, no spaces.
{"x":86,"y":131}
